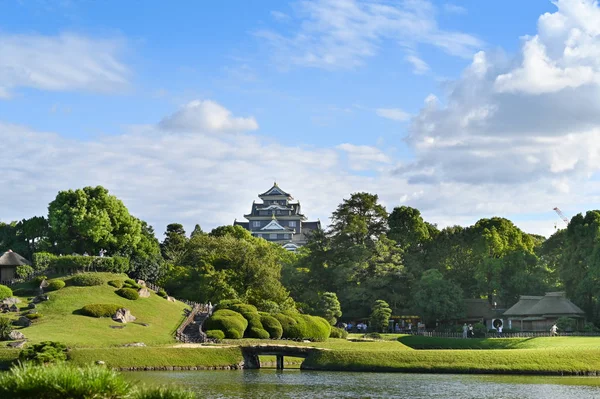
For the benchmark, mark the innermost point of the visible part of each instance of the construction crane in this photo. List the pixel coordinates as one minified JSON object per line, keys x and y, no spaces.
{"x":561,"y":215}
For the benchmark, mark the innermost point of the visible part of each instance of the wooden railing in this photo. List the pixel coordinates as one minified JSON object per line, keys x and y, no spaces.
{"x":524,"y":334}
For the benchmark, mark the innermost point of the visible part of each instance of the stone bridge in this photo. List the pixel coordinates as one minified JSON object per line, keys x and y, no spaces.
{"x":251,"y":353}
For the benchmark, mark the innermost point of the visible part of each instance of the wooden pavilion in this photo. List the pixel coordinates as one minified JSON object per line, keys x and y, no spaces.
{"x":8,"y":265}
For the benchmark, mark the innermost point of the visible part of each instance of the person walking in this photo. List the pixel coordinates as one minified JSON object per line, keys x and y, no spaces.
{"x":500,"y":331}
{"x":553,"y":330}
{"x":470,"y":334}
{"x":465,"y":330}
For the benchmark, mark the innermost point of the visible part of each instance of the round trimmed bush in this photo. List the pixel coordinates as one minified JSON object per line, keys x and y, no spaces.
{"x":162,"y":293}
{"x":302,"y":326}
{"x":257,"y":333}
{"x":233,"y":334}
{"x":337,"y":332}
{"x":44,"y":352}
{"x":55,"y":285}
{"x":215,"y":334}
{"x":287,"y":323}
{"x":24,"y":271}
{"x":128,"y":293}
{"x":86,"y":280}
{"x":116,"y":283}
{"x":129,"y":283}
{"x":5,"y":292}
{"x":229,"y":321}
{"x":100,"y":309}
{"x":272,"y":326}
{"x":243,"y":308}
{"x":34,"y":316}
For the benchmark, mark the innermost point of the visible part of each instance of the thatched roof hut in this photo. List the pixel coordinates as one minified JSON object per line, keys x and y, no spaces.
{"x":10,"y":258}
{"x":538,"y":313}
{"x":8,"y":265}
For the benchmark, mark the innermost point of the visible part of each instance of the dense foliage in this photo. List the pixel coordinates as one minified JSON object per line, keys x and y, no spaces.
{"x":128,"y":293}
{"x":5,"y":327}
{"x":5,"y":292}
{"x":100,"y":309}
{"x":230,"y":322}
{"x":44,"y":352}
{"x":68,"y":382}
{"x":86,"y":280}
{"x":55,"y":285}
{"x":380,"y":314}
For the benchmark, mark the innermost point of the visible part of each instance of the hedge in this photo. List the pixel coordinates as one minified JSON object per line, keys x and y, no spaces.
{"x":129,"y":283}
{"x":230,"y":322}
{"x":301,"y":326}
{"x":86,"y":280}
{"x":70,"y":263}
{"x":272,"y":326}
{"x":115,"y":283}
{"x":243,"y":308}
{"x":128,"y":293}
{"x":100,"y":310}
{"x":162,"y":293}
{"x":5,"y":292}
{"x":215,"y":334}
{"x":257,"y":333}
{"x":337,"y":332}
{"x":24,"y":271}
{"x":55,"y":285}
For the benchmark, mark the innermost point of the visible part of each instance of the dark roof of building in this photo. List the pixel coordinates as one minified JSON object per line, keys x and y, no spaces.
{"x":257,"y":207}
{"x":245,"y":225}
{"x":275,"y":190}
{"x":311,"y":225}
{"x":10,"y":258}
{"x":522,"y":308}
{"x":479,"y":309}
{"x":553,"y":303}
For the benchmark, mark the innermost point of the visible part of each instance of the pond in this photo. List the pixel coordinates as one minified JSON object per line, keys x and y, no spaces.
{"x":268,"y":383}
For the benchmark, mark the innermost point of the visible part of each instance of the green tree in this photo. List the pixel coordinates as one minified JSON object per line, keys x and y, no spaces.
{"x":380,"y":316}
{"x":197,"y":230}
{"x":146,"y":261}
{"x":91,"y":219}
{"x":329,"y":307}
{"x":360,"y":219}
{"x":437,"y":299}
{"x":408,"y":228}
{"x":173,"y":246}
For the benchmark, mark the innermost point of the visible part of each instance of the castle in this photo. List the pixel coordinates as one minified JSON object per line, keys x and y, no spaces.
{"x":279,"y":219}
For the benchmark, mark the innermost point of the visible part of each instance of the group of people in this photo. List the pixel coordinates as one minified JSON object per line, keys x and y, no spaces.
{"x":360,"y":327}
{"x":468,"y":331}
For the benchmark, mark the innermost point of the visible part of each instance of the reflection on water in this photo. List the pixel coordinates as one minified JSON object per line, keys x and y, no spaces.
{"x":306,"y":384}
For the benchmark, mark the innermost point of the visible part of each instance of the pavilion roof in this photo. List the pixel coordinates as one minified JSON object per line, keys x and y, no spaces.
{"x":10,"y":258}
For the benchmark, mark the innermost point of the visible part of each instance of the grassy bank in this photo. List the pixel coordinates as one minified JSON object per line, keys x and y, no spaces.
{"x":518,"y":361}
{"x":157,"y":357}
{"x":420,"y":342}
{"x":62,"y":322}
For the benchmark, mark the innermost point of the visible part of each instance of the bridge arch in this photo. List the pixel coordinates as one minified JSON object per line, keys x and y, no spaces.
{"x":251,"y":354}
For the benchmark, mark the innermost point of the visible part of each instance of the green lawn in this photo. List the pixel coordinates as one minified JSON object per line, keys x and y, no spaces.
{"x":60,"y":321}
{"x":419,"y":342}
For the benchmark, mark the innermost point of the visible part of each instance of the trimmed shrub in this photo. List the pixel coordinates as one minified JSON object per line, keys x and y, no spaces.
{"x":55,"y":285}
{"x":243,"y":308}
{"x":215,"y":334}
{"x":337,"y":332}
{"x":116,"y":283}
{"x":113,"y":264}
{"x":100,"y":309}
{"x":41,"y":260}
{"x":24,"y":271}
{"x":257,"y":333}
{"x":44,"y":352}
{"x":162,"y":293}
{"x":128,"y":293}
{"x":301,"y":326}
{"x":373,"y":335}
{"x":272,"y":326}
{"x":34,"y":316}
{"x":5,"y":292}
{"x":227,"y":303}
{"x":129,"y":283}
{"x":86,"y":280}
{"x":229,"y":321}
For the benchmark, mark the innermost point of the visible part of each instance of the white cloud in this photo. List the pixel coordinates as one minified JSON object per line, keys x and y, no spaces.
{"x":207,"y":116}
{"x":280,"y":16}
{"x":67,"y":62}
{"x":364,"y":157}
{"x":419,"y":66}
{"x":395,"y":114}
{"x":517,"y":136}
{"x":336,"y":34}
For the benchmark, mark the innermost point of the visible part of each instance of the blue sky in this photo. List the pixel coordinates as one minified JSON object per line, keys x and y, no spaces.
{"x":328,"y":97}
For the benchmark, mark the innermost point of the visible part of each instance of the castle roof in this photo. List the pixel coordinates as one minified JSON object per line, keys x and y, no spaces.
{"x":275,"y":191}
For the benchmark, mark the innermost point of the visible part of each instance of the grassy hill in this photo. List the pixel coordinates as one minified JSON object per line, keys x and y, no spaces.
{"x":61,"y":321}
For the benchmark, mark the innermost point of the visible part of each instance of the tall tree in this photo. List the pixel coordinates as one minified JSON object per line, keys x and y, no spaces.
{"x":329,"y":307}
{"x":408,"y":228}
{"x":197,"y":230}
{"x":174,"y":245}
{"x":360,"y":219}
{"x":91,"y":219}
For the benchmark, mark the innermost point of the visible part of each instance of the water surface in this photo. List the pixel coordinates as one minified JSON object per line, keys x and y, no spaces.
{"x":272,"y":384}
